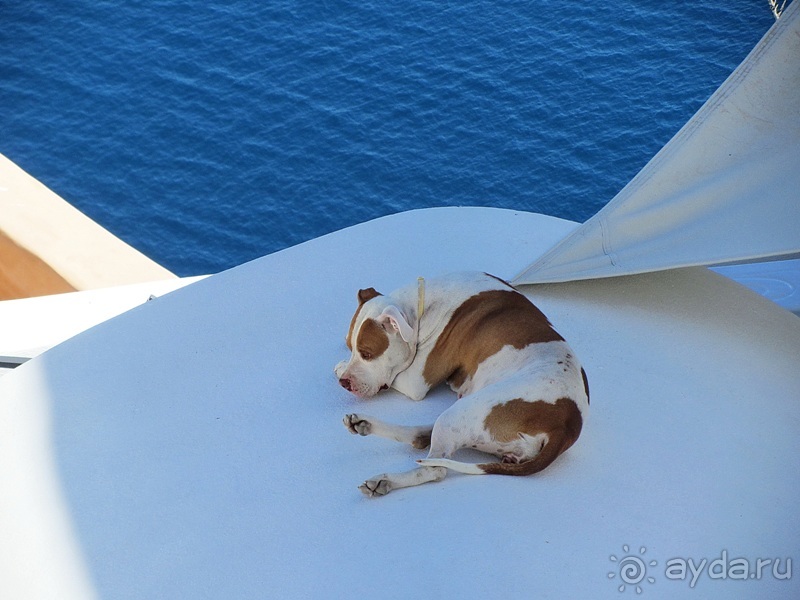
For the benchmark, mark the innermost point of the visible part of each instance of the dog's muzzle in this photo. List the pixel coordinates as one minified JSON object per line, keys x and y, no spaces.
{"x":347,"y":384}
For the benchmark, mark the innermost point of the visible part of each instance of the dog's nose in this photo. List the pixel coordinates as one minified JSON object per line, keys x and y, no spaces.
{"x":345,"y":383}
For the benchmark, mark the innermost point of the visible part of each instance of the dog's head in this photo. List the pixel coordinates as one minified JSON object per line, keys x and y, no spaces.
{"x":382,"y":344}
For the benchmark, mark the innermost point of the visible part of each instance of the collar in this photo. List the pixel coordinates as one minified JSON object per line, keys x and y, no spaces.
{"x":420,"y":297}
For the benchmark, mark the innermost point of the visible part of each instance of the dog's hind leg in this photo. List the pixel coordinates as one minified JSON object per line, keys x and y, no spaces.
{"x":417,"y":436}
{"x":380,"y":485}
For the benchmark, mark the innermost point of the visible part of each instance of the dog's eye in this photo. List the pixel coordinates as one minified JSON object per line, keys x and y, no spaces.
{"x":366,"y":355}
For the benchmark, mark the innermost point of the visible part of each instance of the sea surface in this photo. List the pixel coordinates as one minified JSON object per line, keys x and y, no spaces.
{"x":207,"y":134}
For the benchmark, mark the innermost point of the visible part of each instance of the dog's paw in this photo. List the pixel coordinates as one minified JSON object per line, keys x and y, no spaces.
{"x":375,"y":487}
{"x":358,"y":424}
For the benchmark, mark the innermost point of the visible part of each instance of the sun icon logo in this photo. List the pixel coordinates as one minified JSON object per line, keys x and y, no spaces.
{"x":632,"y":569}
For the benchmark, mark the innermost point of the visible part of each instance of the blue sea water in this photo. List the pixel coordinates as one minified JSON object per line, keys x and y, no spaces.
{"x":210,"y":133}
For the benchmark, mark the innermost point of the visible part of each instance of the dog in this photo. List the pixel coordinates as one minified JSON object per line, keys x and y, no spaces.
{"x":522,"y":393}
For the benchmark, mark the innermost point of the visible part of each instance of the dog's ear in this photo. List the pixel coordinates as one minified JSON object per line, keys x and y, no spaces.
{"x":367,"y":295}
{"x":392,"y":319}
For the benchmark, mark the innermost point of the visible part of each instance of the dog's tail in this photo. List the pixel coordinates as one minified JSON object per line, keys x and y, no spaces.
{"x":453,"y":465}
{"x":557,"y":444}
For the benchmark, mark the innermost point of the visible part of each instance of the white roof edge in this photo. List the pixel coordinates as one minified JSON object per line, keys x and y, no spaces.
{"x":32,"y":326}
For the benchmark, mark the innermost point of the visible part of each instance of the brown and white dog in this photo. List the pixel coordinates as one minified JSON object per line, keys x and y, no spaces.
{"x":522,"y":392}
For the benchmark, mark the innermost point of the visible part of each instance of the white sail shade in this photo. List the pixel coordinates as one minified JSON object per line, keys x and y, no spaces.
{"x":724,"y":190}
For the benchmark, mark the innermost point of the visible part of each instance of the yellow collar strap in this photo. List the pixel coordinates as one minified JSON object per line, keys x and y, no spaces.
{"x":420,"y":296}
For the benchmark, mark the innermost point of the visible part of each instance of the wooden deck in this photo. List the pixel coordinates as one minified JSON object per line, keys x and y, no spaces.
{"x":47,"y":246}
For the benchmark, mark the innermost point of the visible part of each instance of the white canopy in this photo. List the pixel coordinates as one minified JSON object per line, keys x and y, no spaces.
{"x":724,"y":190}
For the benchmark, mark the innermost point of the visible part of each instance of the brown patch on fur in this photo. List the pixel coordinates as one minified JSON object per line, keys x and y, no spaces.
{"x":372,"y":340}
{"x":363,"y":296}
{"x":562,"y":422}
{"x":367,"y":295}
{"x":585,"y":384}
{"x":422,"y":441}
{"x":479,"y":328}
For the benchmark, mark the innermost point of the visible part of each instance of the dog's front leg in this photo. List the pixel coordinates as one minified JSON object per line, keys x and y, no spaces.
{"x":380,"y":485}
{"x":411,"y":385}
{"x":417,"y":436}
